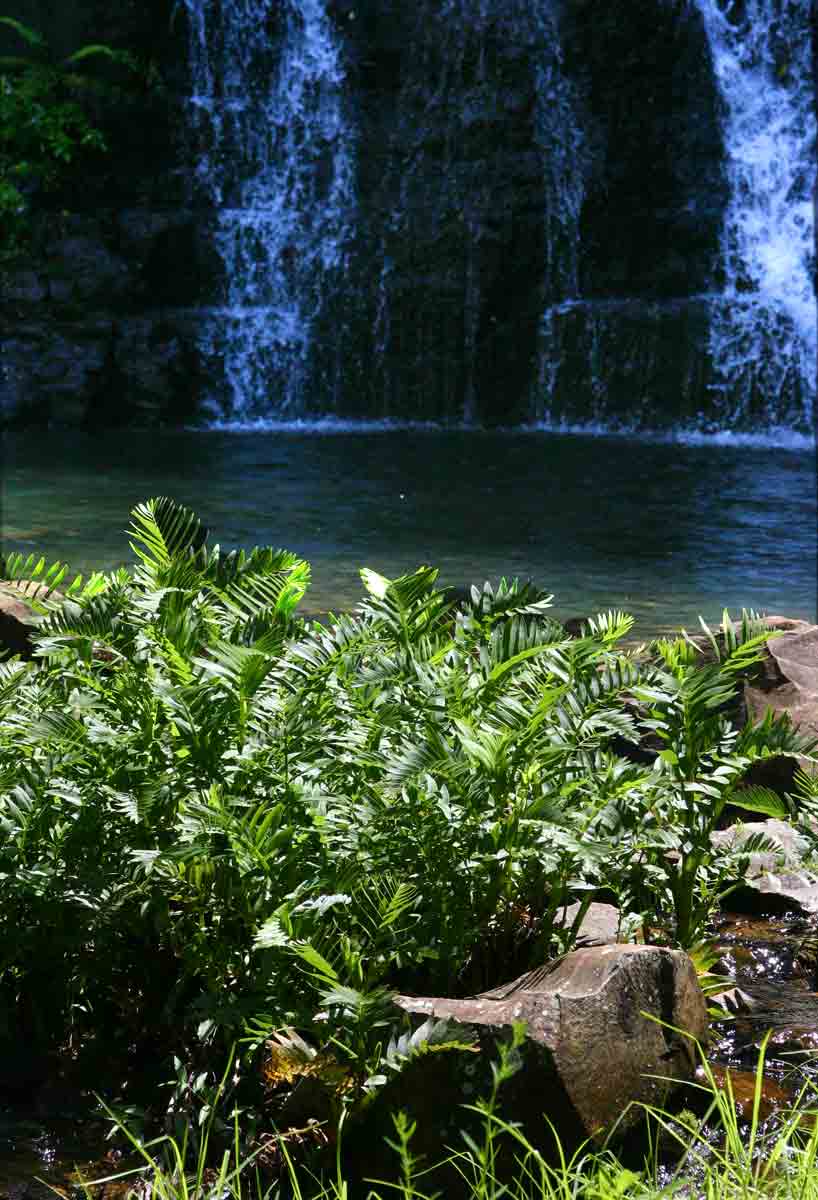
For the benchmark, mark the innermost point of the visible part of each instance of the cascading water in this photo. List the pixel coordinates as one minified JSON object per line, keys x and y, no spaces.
{"x":763,"y":328}
{"x":275,"y":163}
{"x":566,"y":156}
{"x":627,"y":338}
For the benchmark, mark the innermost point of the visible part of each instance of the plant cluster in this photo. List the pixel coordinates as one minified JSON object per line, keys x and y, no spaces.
{"x":218,"y":820}
{"x":46,"y":126}
{"x":714,"y":1151}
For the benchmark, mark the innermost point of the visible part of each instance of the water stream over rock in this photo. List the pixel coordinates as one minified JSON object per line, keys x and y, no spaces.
{"x":763,"y":328}
{"x":274,"y":159}
{"x":494,"y":213}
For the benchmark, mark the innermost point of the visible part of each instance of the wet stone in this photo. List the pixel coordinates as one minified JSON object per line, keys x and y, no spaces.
{"x":773,"y":1096}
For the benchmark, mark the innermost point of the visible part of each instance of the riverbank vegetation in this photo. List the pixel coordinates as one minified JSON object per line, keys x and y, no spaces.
{"x":721,"y":1153}
{"x":221,"y":824}
{"x":50,"y":122}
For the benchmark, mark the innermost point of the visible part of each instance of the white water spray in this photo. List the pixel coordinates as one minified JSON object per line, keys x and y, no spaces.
{"x":275,"y":162}
{"x":763,"y":333}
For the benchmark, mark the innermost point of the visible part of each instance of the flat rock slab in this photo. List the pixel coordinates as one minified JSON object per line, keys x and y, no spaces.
{"x":593,"y":1051}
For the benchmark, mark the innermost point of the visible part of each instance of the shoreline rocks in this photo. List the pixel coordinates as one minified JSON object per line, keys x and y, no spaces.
{"x":608,"y":1028}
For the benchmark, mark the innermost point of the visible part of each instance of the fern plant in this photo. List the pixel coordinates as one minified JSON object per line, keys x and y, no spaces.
{"x":667,"y":816}
{"x":216,"y":817}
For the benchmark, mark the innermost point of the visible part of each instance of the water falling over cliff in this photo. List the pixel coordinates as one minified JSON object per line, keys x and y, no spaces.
{"x":274,"y":162}
{"x":763,"y":329}
{"x":559,"y":213}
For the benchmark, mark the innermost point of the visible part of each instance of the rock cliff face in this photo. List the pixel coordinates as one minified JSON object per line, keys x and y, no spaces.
{"x":451,"y":258}
{"x":87,"y":343}
{"x":632,"y":343}
{"x":539,"y":192}
{"x":542,"y":191}
{"x":86,"y":338}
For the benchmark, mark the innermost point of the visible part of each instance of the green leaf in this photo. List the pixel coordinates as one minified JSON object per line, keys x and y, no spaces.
{"x":271,"y":934}
{"x":760,"y":800}
{"x":313,"y":958}
{"x":377,"y":585}
{"x":25,"y":31}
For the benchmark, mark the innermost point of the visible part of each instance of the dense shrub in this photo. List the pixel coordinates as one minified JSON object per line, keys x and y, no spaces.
{"x":47,"y":128}
{"x":216,"y":817}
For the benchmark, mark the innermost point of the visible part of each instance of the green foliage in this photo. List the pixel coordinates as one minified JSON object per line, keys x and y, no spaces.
{"x":218,"y":820}
{"x":46,"y":128}
{"x":718,"y":1154}
{"x":664,"y":820}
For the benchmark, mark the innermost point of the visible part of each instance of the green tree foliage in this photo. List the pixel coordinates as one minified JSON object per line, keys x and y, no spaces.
{"x":46,"y":127}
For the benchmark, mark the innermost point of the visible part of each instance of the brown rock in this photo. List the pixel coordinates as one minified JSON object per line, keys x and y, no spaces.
{"x":743,"y":1085}
{"x":787,"y":680}
{"x":590,"y":1055}
{"x":17,"y":619}
{"x":20,"y":613}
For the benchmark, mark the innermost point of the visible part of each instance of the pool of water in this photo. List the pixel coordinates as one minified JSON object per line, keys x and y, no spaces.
{"x":663,"y":530}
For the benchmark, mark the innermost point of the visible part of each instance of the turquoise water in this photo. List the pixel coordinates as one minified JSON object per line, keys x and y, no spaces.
{"x":661,"y":529}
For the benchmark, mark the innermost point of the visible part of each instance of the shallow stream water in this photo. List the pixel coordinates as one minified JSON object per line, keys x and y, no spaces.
{"x":664,"y":530}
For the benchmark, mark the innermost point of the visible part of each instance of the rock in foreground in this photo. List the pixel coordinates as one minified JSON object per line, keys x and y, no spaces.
{"x":18,"y":617}
{"x":591,"y":1050}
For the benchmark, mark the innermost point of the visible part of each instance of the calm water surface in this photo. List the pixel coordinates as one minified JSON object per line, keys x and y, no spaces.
{"x":664,"y":531}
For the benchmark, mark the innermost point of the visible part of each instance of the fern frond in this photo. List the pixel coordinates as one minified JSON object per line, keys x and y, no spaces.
{"x":32,"y":36}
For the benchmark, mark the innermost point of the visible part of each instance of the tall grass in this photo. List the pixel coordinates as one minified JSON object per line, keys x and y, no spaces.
{"x":718,"y":1156}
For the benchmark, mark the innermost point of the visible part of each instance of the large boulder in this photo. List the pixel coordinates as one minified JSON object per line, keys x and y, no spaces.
{"x":18,"y":617}
{"x":606,"y":1030}
{"x":787,"y":680}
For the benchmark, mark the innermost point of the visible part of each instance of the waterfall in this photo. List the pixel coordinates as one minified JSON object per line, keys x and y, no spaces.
{"x":562,"y":135}
{"x":763,"y":326}
{"x":275,"y":165}
{"x":449,"y":310}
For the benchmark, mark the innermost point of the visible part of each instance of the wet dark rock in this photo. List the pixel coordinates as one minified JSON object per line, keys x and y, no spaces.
{"x":86,"y":370}
{"x":589,"y":1049}
{"x":81,"y":269}
{"x":626,"y":360}
{"x":651,"y":216}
